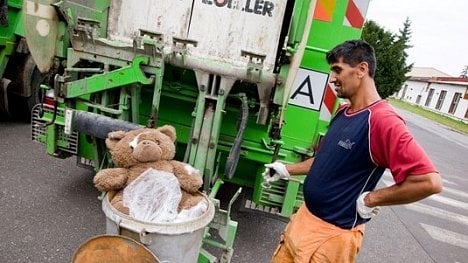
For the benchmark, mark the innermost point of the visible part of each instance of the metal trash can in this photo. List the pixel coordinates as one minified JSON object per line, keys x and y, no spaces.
{"x":170,"y":242}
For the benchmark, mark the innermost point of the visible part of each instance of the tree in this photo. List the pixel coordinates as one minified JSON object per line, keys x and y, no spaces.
{"x":390,"y":51}
{"x":464,"y":73}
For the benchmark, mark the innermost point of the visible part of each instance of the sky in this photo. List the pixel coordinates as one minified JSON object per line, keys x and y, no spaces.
{"x":439,"y":30}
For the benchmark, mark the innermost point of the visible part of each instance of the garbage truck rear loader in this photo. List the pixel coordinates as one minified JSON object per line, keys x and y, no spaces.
{"x":243,"y":82}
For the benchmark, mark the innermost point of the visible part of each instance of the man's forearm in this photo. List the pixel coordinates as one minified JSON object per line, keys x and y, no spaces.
{"x":414,"y":188}
{"x":300,"y":168}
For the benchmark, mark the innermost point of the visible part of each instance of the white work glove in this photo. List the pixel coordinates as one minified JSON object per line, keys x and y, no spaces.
{"x":275,"y":171}
{"x":365,"y":211}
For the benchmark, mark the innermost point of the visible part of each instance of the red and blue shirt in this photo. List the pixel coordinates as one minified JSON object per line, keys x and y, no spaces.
{"x":352,"y":157}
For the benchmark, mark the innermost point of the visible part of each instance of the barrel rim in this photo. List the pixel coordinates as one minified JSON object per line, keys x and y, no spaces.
{"x":168,"y":228}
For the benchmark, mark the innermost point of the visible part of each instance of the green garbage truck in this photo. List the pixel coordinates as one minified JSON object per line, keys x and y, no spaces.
{"x":244,"y":82}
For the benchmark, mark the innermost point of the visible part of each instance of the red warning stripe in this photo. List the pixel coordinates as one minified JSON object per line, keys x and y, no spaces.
{"x":354,"y":16}
{"x":329,"y":98}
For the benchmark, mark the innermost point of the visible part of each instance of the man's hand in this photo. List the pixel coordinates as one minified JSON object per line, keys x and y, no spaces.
{"x":363,"y":210}
{"x":275,"y":171}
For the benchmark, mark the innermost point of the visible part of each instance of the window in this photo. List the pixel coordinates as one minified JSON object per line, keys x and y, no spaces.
{"x":404,"y":91}
{"x":429,"y":97}
{"x":441,"y":99}
{"x":455,"y":100}
{"x":418,"y":99}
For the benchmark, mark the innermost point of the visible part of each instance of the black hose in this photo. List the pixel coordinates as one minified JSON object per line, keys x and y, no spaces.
{"x":234,"y":154}
{"x":99,"y":126}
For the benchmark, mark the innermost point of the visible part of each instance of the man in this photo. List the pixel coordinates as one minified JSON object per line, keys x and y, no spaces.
{"x":365,"y":137}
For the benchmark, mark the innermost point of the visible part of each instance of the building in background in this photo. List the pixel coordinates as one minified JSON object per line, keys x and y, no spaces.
{"x":436,"y":91}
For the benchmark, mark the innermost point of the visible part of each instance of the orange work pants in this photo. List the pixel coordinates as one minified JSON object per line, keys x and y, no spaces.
{"x":308,"y":238}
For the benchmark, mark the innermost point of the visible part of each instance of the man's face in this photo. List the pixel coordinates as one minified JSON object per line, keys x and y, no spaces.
{"x":345,"y":78}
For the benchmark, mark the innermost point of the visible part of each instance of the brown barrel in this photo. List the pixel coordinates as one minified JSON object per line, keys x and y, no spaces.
{"x":113,"y":248}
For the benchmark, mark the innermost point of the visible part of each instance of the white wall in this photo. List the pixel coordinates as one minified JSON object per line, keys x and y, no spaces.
{"x":461,"y":109}
{"x":413,"y":90}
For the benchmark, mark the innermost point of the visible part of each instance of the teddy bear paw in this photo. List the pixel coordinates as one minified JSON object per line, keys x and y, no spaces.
{"x":105,"y":182}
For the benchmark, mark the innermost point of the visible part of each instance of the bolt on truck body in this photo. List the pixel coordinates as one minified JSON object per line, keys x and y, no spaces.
{"x":243,"y":82}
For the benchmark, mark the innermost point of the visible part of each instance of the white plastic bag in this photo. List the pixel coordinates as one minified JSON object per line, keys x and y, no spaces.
{"x":153,"y":197}
{"x":192,"y":212}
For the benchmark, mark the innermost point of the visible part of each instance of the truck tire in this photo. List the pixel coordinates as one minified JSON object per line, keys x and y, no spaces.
{"x":27,"y":91}
{"x":32,"y":78}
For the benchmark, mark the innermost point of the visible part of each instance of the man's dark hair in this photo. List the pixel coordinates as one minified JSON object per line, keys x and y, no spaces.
{"x":354,"y":52}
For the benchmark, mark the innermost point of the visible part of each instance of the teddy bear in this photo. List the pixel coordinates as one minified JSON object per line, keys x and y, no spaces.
{"x":136,"y":151}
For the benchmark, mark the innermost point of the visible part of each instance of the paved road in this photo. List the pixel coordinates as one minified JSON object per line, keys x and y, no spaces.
{"x":49,"y":207}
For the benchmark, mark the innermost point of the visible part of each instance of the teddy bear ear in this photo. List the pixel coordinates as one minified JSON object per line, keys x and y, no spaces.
{"x":169,"y":131}
{"x":113,"y":138}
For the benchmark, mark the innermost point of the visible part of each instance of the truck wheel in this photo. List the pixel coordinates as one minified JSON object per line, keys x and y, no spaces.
{"x":32,"y":78}
{"x":27,"y":92}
